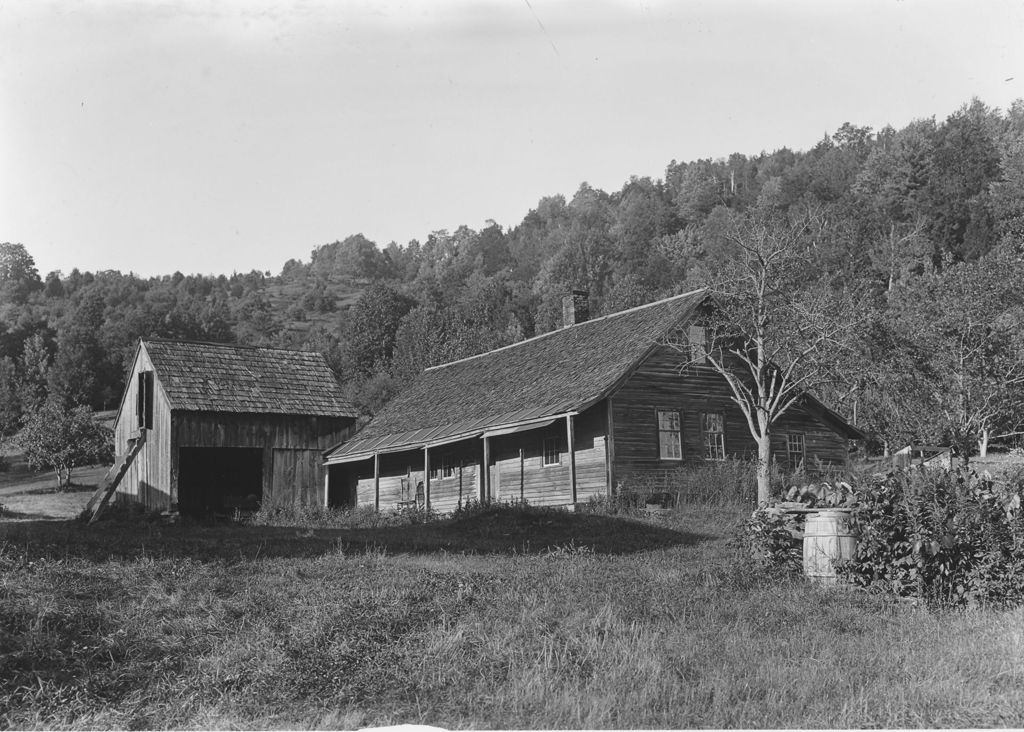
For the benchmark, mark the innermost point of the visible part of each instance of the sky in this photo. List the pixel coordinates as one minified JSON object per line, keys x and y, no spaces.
{"x":214,"y":137}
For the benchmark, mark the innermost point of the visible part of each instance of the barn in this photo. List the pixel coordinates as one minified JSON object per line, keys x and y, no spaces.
{"x":566,"y":416}
{"x":209,"y":428}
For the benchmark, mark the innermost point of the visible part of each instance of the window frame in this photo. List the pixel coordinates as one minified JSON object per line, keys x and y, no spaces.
{"x":658,"y":412}
{"x":447,"y":466}
{"x":556,"y":450}
{"x":790,"y":452}
{"x":720,"y":451}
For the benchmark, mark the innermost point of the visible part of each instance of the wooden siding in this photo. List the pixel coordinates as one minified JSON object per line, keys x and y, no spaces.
{"x":293,"y":472}
{"x":406,"y":468}
{"x":148,"y":479}
{"x":293,"y":444}
{"x":659,"y":384}
{"x":513,"y":478}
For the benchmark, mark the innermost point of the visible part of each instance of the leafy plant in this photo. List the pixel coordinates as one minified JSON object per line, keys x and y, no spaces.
{"x":951,"y":538}
{"x":770,"y":538}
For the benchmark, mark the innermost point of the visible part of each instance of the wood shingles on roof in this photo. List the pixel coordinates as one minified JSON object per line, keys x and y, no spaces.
{"x":225,"y":378}
{"x":563,"y":371}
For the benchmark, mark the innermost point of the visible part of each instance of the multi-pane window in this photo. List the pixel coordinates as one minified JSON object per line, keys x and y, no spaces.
{"x":670,"y":437}
{"x":795,"y":451}
{"x":713,"y":427}
{"x":447,"y":466}
{"x":552,"y":451}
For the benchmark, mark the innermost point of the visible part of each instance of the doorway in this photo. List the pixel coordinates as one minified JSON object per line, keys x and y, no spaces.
{"x":219,"y":480}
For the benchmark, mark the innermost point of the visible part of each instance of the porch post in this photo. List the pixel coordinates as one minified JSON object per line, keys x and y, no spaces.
{"x":376,"y":481}
{"x":327,"y":486}
{"x":485,"y":472}
{"x":571,"y":441}
{"x":426,"y":477}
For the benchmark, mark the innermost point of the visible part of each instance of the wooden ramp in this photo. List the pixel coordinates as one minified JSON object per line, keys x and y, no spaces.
{"x":101,"y":497}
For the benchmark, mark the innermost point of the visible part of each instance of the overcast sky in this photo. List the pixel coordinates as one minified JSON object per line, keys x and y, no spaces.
{"x":227,"y":136}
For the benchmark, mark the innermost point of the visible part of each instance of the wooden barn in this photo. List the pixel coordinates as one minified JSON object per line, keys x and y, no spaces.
{"x":564,"y":416}
{"x":209,"y":427}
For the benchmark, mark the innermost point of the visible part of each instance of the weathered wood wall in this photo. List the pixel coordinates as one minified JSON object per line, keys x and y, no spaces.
{"x":293,"y":472}
{"x":148,"y":479}
{"x":513,"y":477}
{"x":659,"y":384}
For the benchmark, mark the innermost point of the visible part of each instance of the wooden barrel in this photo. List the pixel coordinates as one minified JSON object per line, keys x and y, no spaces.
{"x":827,"y":539}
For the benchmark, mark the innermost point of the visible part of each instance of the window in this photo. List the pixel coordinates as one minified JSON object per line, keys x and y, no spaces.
{"x":144,"y":401}
{"x":447,"y":466}
{"x":713,"y":426}
{"x":697,"y":339}
{"x":795,"y":449}
{"x":670,"y":437}
{"x":552,"y":451}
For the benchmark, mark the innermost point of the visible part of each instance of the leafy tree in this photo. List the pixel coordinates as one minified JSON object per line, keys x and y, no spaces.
{"x":964,"y":331}
{"x":371,"y":327}
{"x":18,"y":275}
{"x":773,"y":340}
{"x":61,"y":439}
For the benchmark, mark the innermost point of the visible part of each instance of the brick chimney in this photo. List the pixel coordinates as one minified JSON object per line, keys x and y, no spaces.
{"x":575,"y":308}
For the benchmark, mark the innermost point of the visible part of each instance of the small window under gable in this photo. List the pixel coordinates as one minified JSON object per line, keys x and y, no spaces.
{"x":697,"y":337}
{"x":144,"y":401}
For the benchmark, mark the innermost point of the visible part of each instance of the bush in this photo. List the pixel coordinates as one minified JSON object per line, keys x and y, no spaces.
{"x":359,"y":517}
{"x":771,"y":539}
{"x":951,"y":538}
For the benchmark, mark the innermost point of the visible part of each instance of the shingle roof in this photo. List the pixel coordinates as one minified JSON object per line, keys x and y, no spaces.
{"x":224,"y":378}
{"x":562,"y":371}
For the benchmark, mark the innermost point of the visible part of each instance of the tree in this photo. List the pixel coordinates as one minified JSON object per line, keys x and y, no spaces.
{"x":18,"y":275}
{"x":372,"y":324}
{"x":963,"y":330}
{"x":60,"y":439}
{"x":772,"y":339}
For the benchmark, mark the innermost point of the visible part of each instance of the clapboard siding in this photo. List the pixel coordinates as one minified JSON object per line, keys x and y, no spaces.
{"x":292,"y":445}
{"x":293,"y":472}
{"x":513,"y":478}
{"x":660,"y":383}
{"x":147,"y":480}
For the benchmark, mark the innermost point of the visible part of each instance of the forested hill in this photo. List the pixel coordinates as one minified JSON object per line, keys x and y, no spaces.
{"x":888,"y":212}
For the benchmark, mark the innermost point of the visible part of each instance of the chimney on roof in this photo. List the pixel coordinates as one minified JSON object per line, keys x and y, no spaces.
{"x":575,"y":308}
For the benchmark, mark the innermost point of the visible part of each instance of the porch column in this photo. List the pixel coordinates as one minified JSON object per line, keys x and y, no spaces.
{"x":426,"y":477}
{"x":376,"y":481}
{"x":571,"y":442}
{"x":327,"y":486}
{"x":485,"y":472}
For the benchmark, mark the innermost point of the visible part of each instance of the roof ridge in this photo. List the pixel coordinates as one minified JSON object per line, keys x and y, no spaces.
{"x":563,"y":329}
{"x":225,"y":345}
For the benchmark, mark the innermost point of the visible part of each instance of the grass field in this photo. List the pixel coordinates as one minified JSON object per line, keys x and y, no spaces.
{"x":497,"y":619}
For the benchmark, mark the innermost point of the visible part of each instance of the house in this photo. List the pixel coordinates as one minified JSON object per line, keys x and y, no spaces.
{"x":566,"y":416}
{"x":209,"y":427}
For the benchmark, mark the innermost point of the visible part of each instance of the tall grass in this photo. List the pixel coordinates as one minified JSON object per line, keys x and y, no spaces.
{"x":235,"y":626}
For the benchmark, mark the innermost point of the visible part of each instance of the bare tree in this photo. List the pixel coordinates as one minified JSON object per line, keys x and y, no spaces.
{"x":772,"y":337}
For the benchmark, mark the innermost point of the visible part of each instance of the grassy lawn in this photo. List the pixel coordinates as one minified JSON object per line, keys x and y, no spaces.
{"x":501,"y":619}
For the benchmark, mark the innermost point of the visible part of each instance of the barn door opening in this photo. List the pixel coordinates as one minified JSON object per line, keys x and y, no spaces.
{"x":341,"y":486}
{"x":219,"y":480}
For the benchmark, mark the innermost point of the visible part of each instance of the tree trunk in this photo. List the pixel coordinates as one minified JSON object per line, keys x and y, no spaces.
{"x":983,"y":443}
{"x":764,"y":467}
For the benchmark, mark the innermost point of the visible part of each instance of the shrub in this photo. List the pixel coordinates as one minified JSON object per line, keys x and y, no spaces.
{"x":951,"y":538}
{"x":770,"y":539}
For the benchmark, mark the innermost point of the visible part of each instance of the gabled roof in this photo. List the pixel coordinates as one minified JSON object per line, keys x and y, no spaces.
{"x":553,"y":374}
{"x":216,"y":377}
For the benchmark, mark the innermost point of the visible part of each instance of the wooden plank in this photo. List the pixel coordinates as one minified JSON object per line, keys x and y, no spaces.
{"x":571,"y":442}
{"x":376,"y":480}
{"x":609,"y":450}
{"x":426,"y":478}
{"x":485,"y":472}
